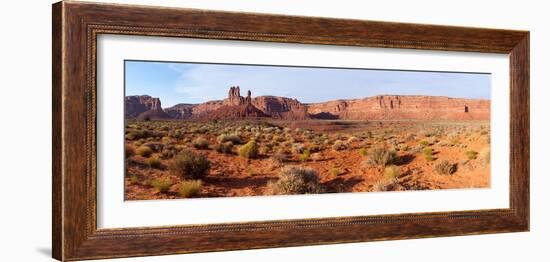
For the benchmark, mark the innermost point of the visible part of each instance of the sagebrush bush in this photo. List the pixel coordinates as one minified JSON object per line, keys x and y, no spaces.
{"x":391,"y":172}
{"x":189,"y":188}
{"x":162,"y":184}
{"x":385,"y":185}
{"x":471,"y":154}
{"x":295,"y":180}
{"x":144,"y":151}
{"x":233,"y":138}
{"x":445,"y":168}
{"x":249,"y":150}
{"x":382,"y":156}
{"x":153,"y":162}
{"x":189,"y":165}
{"x":200,"y":143}
{"x":225,"y":147}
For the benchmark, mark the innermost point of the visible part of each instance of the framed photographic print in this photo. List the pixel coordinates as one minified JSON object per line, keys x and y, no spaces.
{"x":183,"y":130}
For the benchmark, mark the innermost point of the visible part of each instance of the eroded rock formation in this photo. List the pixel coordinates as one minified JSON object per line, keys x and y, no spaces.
{"x":382,"y":107}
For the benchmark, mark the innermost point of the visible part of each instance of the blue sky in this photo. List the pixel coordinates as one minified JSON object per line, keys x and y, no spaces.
{"x":177,"y":83}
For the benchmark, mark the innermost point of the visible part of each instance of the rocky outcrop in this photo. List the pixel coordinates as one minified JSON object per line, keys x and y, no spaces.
{"x":180,"y":111}
{"x":143,"y":107}
{"x":382,"y":107}
{"x":281,"y":107}
{"x":393,"y":107}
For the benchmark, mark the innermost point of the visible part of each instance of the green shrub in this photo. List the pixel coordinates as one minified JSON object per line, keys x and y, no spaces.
{"x":305,"y":155}
{"x":471,"y":154}
{"x":424,"y":143}
{"x":296,"y":180}
{"x":144,"y":151}
{"x":153,"y":162}
{"x":428,"y":154}
{"x":363,"y":151}
{"x":249,"y":150}
{"x":226,"y":147}
{"x":200,"y":143}
{"x":391,"y":172}
{"x":233,"y":138}
{"x":162,"y":184}
{"x":189,"y":188}
{"x":189,"y":165}
{"x":445,"y":168}
{"x":382,"y":156}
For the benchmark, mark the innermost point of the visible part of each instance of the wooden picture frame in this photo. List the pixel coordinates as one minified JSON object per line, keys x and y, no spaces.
{"x":76,"y":26}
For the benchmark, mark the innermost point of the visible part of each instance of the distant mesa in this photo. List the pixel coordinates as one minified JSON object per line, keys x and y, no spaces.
{"x":381,"y":107}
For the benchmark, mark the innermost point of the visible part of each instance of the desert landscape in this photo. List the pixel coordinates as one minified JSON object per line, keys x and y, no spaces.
{"x":275,"y":145}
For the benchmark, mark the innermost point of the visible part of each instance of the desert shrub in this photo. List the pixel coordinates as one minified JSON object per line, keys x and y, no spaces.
{"x":305,"y":155}
{"x":133,"y":179}
{"x":233,"y":138}
{"x":129,"y":150}
{"x":316,"y":157}
{"x":162,"y":184}
{"x":249,"y":150}
{"x":385,"y":185}
{"x":189,"y":188}
{"x":144,"y":151}
{"x":391,"y":172}
{"x":279,"y":156}
{"x":352,"y":140}
{"x":295,"y":180}
{"x":382,"y":156}
{"x":153,"y":162}
{"x":428,"y":154}
{"x":189,"y":165}
{"x":363,"y":151}
{"x":200,"y":143}
{"x":156,"y":147}
{"x":470,"y":154}
{"x":226,"y":147}
{"x":338,"y":145}
{"x":404,"y":147}
{"x":335,"y":171}
{"x":445,"y":168}
{"x":424,"y":143}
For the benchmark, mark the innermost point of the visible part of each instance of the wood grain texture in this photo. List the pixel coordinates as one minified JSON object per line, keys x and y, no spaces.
{"x":76,"y":26}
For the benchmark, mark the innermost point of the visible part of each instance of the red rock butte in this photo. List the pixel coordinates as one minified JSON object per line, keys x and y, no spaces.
{"x":381,"y":107}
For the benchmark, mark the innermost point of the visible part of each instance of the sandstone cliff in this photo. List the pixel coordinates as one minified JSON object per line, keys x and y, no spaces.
{"x":382,"y":107}
{"x":143,"y":107}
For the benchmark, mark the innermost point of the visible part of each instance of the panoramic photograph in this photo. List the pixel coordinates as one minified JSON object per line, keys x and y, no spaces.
{"x":199,"y":130}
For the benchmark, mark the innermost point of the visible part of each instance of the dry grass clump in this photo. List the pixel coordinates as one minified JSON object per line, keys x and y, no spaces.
{"x":385,"y":185}
{"x":153,"y":162}
{"x":162,"y":184}
{"x":144,"y":151}
{"x":189,"y":188}
{"x":391,"y":172}
{"x":363,"y":151}
{"x":225,"y":147}
{"x":428,"y":154}
{"x":445,"y":168}
{"x":382,"y":156}
{"x":338,"y":145}
{"x":200,"y":143}
{"x":295,"y":180}
{"x":304,"y":156}
{"x":233,"y":138}
{"x":249,"y":150}
{"x":189,"y":165}
{"x":470,"y":154}
{"x":129,"y":150}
